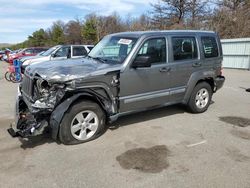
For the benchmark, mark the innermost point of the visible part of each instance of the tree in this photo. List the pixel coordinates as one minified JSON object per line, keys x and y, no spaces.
{"x":160,"y":18}
{"x":198,"y":12}
{"x":231,"y":19}
{"x":73,"y":32}
{"x":179,"y":14}
{"x":57,"y":33}
{"x":89,"y":30}
{"x":38,"y":38}
{"x":140,"y":23}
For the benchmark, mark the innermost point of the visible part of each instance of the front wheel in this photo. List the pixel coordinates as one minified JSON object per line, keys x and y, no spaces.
{"x":7,"y":76}
{"x":83,"y":122}
{"x":200,"y":98}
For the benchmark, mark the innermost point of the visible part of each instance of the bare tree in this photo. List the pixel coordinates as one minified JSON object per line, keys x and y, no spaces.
{"x":73,"y":32}
{"x":198,"y":12}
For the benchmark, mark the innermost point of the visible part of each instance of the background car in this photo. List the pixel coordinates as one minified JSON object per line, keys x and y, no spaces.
{"x":57,"y":53}
{"x":1,"y":54}
{"x":26,"y":52}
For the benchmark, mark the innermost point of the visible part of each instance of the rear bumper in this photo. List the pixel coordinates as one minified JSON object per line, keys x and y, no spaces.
{"x":219,"y":82}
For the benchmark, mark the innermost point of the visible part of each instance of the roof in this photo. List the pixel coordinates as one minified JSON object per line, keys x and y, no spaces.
{"x":141,"y":33}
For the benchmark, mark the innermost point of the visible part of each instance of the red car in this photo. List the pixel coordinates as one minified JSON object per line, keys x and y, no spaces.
{"x":26,"y":52}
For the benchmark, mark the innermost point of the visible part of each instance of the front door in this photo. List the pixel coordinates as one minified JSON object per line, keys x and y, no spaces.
{"x":148,"y":86}
{"x":62,"y":53}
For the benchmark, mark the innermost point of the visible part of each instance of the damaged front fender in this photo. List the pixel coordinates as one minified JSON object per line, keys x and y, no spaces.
{"x":58,"y":113}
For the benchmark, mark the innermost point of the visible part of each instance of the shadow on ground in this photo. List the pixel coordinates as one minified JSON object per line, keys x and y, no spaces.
{"x":148,"y":115}
{"x":36,"y":141}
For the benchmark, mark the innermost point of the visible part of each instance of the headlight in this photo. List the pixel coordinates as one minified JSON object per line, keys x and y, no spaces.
{"x":26,"y":62}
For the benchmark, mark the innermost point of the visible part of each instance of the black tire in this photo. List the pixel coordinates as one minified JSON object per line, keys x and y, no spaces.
{"x":7,"y":76}
{"x":192,"y":106}
{"x":65,"y":135}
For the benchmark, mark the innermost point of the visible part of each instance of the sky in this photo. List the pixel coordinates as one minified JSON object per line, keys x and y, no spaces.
{"x":20,"y":18}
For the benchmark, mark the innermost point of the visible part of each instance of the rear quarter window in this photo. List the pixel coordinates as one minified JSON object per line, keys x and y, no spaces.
{"x":210,"y":47}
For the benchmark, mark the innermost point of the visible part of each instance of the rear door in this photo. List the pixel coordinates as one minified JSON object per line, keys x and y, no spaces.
{"x":184,"y":60}
{"x":149,"y":86}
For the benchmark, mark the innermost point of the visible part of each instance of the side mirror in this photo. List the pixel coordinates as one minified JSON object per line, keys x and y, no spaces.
{"x":53,"y":55}
{"x":142,"y":61}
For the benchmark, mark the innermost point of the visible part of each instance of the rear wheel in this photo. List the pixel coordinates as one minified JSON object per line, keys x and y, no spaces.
{"x":83,"y":122}
{"x":200,"y":98}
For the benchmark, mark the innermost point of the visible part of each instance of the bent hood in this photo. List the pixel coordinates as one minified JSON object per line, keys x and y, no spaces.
{"x":70,"y":69}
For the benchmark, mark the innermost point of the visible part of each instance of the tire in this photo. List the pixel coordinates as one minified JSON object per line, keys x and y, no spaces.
{"x":200,"y":98}
{"x":7,"y":76}
{"x":89,"y":129}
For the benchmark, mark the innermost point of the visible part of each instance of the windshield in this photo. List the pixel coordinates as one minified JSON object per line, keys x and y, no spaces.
{"x":113,"y":49}
{"x":49,"y":51}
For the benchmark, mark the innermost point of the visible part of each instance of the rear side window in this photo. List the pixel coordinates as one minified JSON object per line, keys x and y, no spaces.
{"x":184,"y":48}
{"x":79,"y":51}
{"x":210,"y":47}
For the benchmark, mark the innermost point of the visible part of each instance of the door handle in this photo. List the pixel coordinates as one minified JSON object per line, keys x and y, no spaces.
{"x":165,"y":69}
{"x":197,"y":64}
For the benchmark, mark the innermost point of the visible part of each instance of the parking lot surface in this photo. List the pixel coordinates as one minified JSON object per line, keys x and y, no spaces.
{"x":166,"y":147}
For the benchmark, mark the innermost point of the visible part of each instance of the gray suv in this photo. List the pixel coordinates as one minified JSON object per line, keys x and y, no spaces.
{"x":124,"y":73}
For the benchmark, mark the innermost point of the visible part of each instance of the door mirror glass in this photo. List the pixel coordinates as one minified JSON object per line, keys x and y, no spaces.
{"x":142,"y":61}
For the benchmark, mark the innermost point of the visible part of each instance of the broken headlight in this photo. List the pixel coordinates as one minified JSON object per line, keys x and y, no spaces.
{"x":42,"y":87}
{"x":46,"y":94}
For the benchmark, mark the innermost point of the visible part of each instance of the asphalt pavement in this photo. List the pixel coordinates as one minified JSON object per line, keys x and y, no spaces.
{"x":166,"y":147}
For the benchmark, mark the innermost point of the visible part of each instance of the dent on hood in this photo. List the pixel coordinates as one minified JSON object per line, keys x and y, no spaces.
{"x":67,"y":70}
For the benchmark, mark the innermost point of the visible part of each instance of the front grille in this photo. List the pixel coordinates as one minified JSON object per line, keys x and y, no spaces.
{"x":27,"y":86}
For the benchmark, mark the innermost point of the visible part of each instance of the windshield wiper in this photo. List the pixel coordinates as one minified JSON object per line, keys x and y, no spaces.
{"x":99,"y":59}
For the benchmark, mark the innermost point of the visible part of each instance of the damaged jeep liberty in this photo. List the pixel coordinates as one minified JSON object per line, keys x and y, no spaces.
{"x":124,"y":73}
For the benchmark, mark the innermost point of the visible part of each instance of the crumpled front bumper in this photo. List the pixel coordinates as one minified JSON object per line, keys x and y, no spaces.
{"x":31,"y":126}
{"x":13,"y":131}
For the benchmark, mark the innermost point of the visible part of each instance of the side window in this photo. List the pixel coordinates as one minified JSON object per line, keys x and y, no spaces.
{"x":184,"y":48}
{"x":63,"y":52}
{"x":155,"y":48}
{"x":210,"y":47}
{"x":79,"y":51}
{"x":29,"y":51}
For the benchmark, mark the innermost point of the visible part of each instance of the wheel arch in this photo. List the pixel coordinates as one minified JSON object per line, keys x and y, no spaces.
{"x":58,"y":113}
{"x":197,"y":78}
